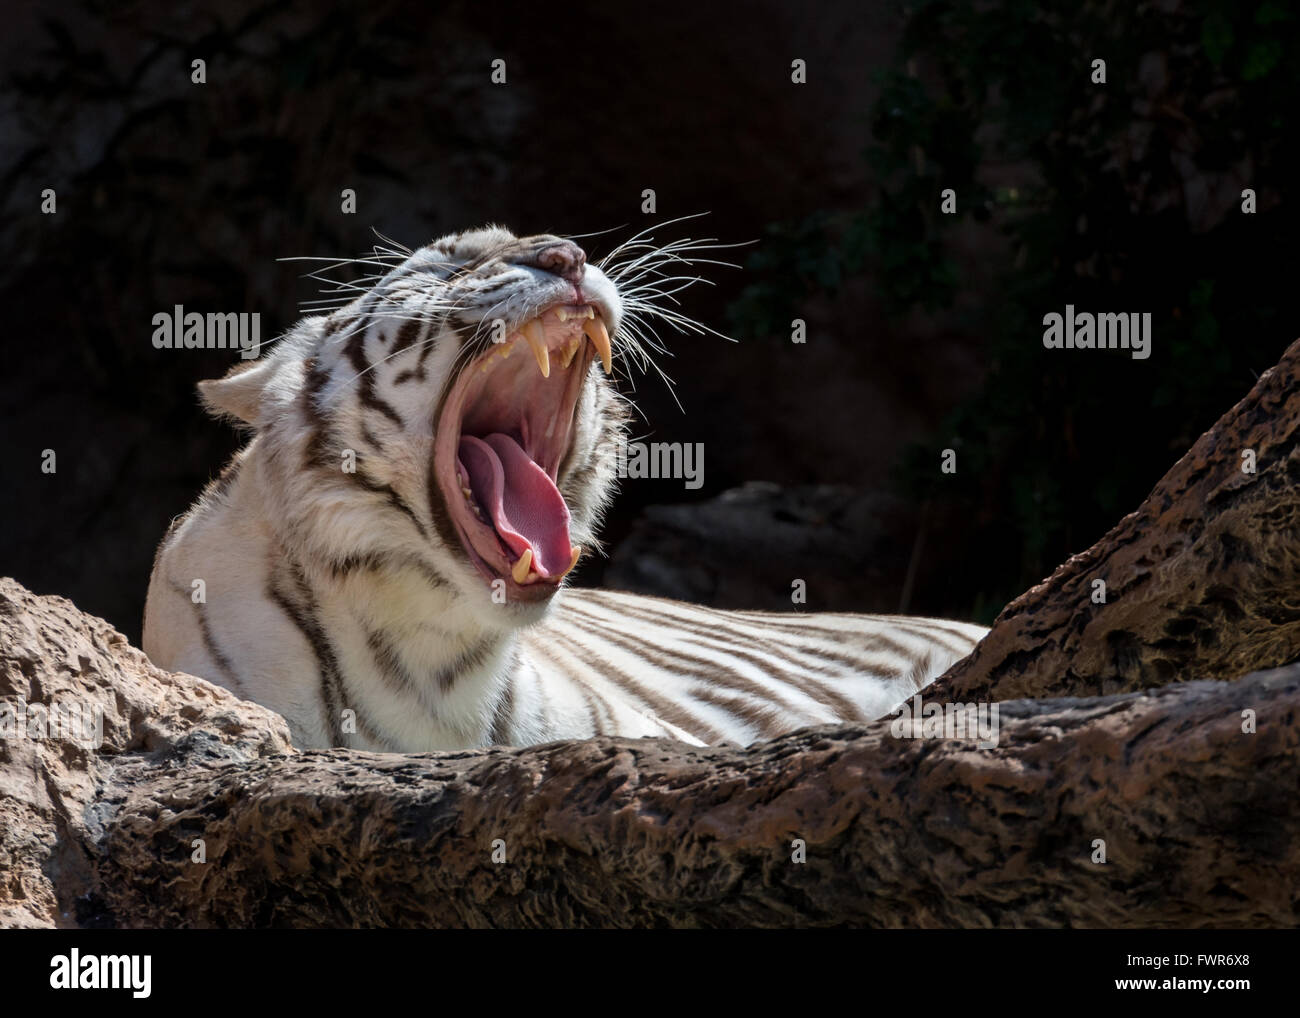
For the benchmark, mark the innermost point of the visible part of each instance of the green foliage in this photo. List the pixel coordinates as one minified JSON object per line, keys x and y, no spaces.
{"x":1127,"y":198}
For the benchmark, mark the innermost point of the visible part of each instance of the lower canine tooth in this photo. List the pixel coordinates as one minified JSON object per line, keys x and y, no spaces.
{"x":537,"y":340}
{"x":577,"y":553}
{"x":520,"y":569}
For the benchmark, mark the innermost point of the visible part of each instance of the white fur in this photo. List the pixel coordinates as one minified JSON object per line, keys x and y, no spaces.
{"x":283,"y":524}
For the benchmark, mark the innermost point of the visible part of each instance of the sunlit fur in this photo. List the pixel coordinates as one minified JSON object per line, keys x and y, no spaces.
{"x":343,"y":600}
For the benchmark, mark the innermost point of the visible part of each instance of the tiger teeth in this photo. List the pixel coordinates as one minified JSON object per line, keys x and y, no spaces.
{"x":536,"y":339}
{"x":577,"y":553}
{"x":570,"y":348}
{"x":586,"y":311}
{"x":596,"y":332}
{"x":520,"y":569}
{"x":503,"y":351}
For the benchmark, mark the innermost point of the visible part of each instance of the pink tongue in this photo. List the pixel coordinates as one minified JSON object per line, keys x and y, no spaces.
{"x":526,"y":508}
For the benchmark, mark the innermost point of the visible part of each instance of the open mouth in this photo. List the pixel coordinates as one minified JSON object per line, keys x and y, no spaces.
{"x":505,"y":429}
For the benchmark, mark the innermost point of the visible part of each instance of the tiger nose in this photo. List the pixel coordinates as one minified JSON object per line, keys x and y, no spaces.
{"x":565,"y":259}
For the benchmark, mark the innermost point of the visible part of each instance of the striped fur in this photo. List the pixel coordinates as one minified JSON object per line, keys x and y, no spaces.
{"x":350,"y":601}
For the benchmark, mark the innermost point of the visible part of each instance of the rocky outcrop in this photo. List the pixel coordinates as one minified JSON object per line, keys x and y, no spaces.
{"x":1202,"y":581}
{"x":81,"y":712}
{"x":194,"y":811}
{"x":744,"y":548}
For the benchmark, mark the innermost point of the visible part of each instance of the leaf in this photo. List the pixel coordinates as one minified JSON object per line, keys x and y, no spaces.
{"x":1271,"y":12}
{"x":1261,"y":59}
{"x":1216,"y":38}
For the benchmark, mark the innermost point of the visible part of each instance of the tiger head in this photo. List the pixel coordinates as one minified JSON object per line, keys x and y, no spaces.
{"x":456,"y":412}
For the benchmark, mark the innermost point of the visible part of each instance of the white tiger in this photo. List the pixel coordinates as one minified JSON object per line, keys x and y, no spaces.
{"x":384,"y":562}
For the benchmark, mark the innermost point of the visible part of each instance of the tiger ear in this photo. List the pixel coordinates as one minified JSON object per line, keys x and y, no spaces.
{"x":239,"y":393}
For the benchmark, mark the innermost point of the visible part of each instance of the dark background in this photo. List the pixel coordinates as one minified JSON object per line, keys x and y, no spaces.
{"x":924,"y":330}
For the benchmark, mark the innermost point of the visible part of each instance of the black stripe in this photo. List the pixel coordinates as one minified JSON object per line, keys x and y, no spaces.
{"x":603,"y":718}
{"x":365,"y":379}
{"x":767,"y":720}
{"x":304,"y":617}
{"x":227,"y":667}
{"x":680,"y":663}
{"x":468,"y":661}
{"x":425,"y":350}
{"x":316,"y":450}
{"x":399,"y":680}
{"x":369,"y":438}
{"x":379,"y":561}
{"x":928,"y":629}
{"x":501,"y":717}
{"x":391,"y":669}
{"x":666,"y":709}
{"x":407,"y":336}
{"x":438,"y":511}
{"x":797,"y":624}
{"x":394,"y":499}
{"x":589,"y":700}
{"x":724,"y":640}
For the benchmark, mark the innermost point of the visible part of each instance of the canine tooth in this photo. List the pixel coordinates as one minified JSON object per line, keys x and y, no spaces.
{"x":537,"y":340}
{"x":520,"y":569}
{"x":599,"y":336}
{"x":561,"y":314}
{"x":577,"y":553}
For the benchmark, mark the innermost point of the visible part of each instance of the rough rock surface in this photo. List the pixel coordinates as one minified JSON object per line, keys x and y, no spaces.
{"x":1197,"y":816}
{"x":1202,"y":581}
{"x":1198,"y":821}
{"x":743,"y":548}
{"x":57,"y":795}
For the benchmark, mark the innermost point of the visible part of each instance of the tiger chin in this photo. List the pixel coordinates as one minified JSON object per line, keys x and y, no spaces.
{"x":384,"y":563}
